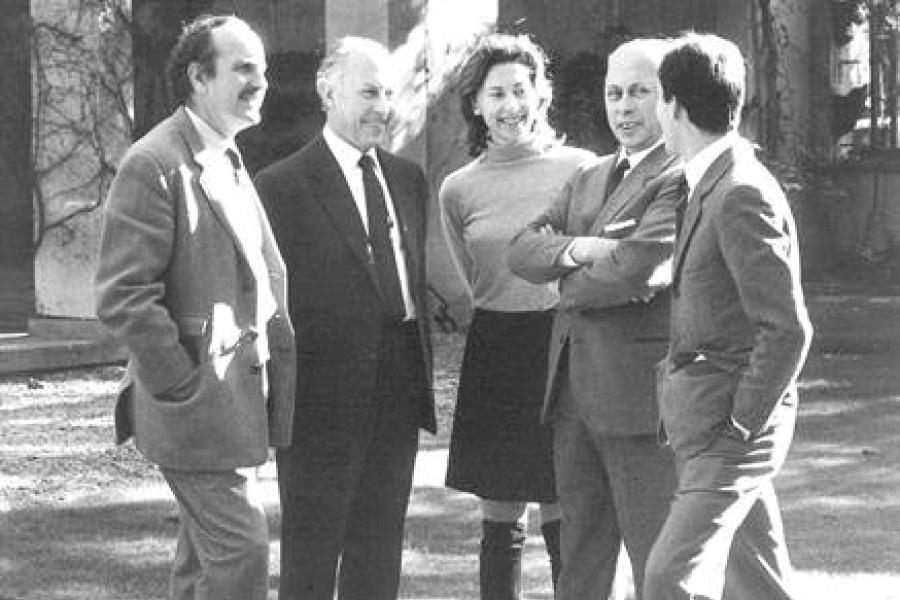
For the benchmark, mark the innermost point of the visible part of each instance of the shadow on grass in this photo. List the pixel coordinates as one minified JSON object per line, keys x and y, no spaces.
{"x":98,"y":551}
{"x":121,"y":550}
{"x":443,"y":534}
{"x":840,"y":488}
{"x":87,"y":521}
{"x":109,"y":551}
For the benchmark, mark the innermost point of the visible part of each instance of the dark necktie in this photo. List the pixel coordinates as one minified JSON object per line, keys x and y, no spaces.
{"x":380,"y":241}
{"x":235,"y":164}
{"x":615,"y":178}
{"x":681,"y":204}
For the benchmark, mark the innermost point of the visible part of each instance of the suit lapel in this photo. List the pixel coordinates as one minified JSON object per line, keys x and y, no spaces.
{"x":595,"y":203}
{"x":630,"y":188}
{"x":404,"y":204}
{"x":333,"y":194}
{"x":213,"y":179}
{"x":695,"y":209}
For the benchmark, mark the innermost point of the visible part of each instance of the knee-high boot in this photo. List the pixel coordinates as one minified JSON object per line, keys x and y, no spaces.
{"x":550,"y":531}
{"x":500,"y":561}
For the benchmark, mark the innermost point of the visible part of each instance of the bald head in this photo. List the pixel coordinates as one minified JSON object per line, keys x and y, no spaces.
{"x":348,"y":49}
{"x":356,"y":86}
{"x":631,"y":91}
{"x":645,"y":50}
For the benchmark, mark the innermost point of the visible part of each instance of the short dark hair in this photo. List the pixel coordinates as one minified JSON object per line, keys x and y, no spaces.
{"x":193,"y":45}
{"x":705,"y":74}
{"x":491,"y":50}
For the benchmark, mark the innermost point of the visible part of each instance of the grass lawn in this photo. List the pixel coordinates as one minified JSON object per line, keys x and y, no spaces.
{"x":81,"y":519}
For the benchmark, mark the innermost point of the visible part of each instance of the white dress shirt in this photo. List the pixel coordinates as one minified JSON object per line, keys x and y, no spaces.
{"x":696,"y":168}
{"x":635,"y":158}
{"x":348,"y":157}
{"x":241,"y":210}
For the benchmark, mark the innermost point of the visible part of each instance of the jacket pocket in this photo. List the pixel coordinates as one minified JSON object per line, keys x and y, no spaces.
{"x":695,"y":400}
{"x":193,"y":334}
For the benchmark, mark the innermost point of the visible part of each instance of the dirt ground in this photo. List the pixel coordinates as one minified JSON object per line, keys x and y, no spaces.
{"x":82,"y":519}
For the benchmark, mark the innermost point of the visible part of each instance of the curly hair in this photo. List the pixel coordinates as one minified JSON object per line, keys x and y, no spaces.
{"x":497,"y":49}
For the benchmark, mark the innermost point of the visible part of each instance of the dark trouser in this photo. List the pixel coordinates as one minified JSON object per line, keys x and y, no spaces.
{"x":550,"y":531}
{"x":724,"y":532}
{"x":611,"y":489}
{"x":345,"y":486}
{"x":500,"y":557}
{"x":500,"y":560}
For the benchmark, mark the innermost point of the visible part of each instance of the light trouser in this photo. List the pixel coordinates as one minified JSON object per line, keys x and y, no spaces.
{"x":613,"y":489}
{"x":724,"y":537}
{"x":222,"y":549}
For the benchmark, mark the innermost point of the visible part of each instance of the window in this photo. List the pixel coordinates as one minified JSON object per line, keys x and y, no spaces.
{"x":864,"y":77}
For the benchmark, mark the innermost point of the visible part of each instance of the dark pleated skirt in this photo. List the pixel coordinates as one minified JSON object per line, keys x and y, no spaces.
{"x":499,"y":450}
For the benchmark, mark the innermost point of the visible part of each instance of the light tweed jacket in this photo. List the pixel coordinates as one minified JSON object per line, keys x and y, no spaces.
{"x":175,"y":288}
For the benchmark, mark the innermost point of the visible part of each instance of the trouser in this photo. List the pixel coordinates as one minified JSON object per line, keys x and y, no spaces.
{"x":612,"y":488}
{"x":222,"y":550}
{"x":724,"y":536}
{"x":345,"y":485}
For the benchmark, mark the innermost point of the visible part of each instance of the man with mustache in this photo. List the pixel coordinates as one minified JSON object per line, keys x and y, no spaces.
{"x":607,"y":239}
{"x":351,"y":220}
{"x":192,"y":284}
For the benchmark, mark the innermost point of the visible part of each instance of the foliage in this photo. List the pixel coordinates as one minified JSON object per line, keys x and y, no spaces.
{"x":844,"y":14}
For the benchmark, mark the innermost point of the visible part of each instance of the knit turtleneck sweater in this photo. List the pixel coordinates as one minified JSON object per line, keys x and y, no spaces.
{"x":489,"y":200}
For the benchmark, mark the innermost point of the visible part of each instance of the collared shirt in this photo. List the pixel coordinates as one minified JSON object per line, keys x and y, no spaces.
{"x":696,"y":168}
{"x":244,"y":218}
{"x":212,"y":139}
{"x":635,"y":158}
{"x":348,"y":157}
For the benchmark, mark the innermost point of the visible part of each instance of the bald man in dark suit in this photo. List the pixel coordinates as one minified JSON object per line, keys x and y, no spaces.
{"x":350,"y":218}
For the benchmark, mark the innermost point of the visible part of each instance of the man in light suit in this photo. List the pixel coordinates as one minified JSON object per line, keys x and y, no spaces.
{"x":351,"y":221}
{"x":608,"y":245}
{"x":192,"y":284}
{"x":740,"y":334}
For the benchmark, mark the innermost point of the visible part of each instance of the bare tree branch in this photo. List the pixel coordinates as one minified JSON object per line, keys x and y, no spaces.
{"x":83,"y":103}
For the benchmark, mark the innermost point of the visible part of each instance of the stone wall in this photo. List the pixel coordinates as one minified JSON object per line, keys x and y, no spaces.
{"x":428,"y":38}
{"x":81,"y":98}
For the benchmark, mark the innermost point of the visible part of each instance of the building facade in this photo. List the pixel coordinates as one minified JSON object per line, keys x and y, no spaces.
{"x":89,"y":73}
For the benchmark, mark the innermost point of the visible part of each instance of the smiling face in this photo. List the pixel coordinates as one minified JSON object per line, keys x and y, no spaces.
{"x":358,"y":100}
{"x":631,"y":93}
{"x":230,"y":98}
{"x":509,"y":103}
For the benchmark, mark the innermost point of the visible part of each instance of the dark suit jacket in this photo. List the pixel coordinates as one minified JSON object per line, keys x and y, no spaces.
{"x":333,"y":292}
{"x":175,"y":288}
{"x":613,"y":343}
{"x":740,"y":330}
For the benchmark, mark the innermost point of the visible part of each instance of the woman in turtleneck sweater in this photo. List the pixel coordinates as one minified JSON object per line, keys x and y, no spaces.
{"x":499,"y":450}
